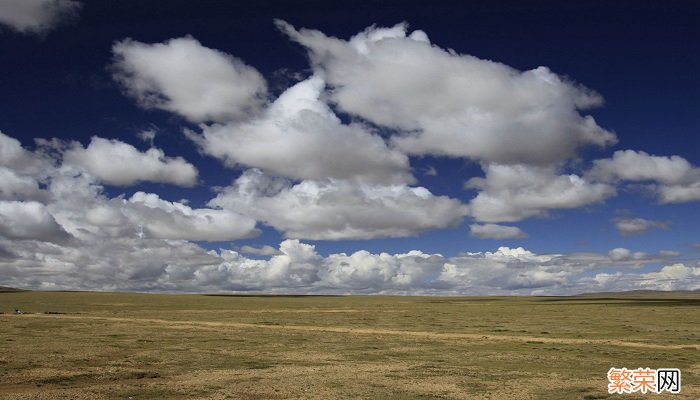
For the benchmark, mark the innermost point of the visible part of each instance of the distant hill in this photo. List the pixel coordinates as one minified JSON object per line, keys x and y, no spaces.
{"x":5,"y":289}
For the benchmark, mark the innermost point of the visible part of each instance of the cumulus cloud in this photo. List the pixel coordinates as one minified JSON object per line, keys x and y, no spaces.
{"x":364,"y":271}
{"x":494,"y":231}
{"x":163,"y":219}
{"x":117,"y":264}
{"x":21,"y":171}
{"x":295,"y":268}
{"x":37,"y":16}
{"x":677,"y":276}
{"x":516,"y":123}
{"x":511,"y":193}
{"x":12,"y":153}
{"x":672,"y":277}
{"x":634,"y":165}
{"x":19,"y":160}
{"x":29,"y":220}
{"x":82,"y":209}
{"x":622,"y":254}
{"x":637,"y":226}
{"x":121,"y":164}
{"x":507,"y":269}
{"x":185,"y":77}
{"x":300,"y":137}
{"x":467,"y":107}
{"x":17,"y":187}
{"x":339,"y":209}
{"x":329,"y":160}
{"x":49,"y":196}
{"x":674,"y":179}
{"x":145,"y":263}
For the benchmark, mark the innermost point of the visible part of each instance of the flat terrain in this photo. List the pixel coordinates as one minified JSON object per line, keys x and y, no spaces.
{"x":78,"y":345}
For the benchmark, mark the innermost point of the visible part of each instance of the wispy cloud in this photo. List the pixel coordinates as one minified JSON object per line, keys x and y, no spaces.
{"x":494,"y":231}
{"x":37,"y":16}
{"x":637,"y":226}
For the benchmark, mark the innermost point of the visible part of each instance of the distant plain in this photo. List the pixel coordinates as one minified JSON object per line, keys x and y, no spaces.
{"x":90,"y":345}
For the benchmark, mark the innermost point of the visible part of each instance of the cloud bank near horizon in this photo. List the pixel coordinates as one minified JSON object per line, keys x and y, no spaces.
{"x":143,"y":264}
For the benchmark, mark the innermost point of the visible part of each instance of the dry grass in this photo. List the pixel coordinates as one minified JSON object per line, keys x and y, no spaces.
{"x":120,"y":346}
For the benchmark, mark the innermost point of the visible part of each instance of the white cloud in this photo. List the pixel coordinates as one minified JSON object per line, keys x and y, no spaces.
{"x":517,"y":270}
{"x":677,"y":181}
{"x":494,"y":231}
{"x":516,"y":123}
{"x":622,"y":254}
{"x":678,"y":193}
{"x":117,"y":264}
{"x":29,"y":220}
{"x":336,"y":209}
{"x":430,"y":171}
{"x":36,"y":16}
{"x":162,"y":219}
{"x":294,"y":269}
{"x":11,"y":151}
{"x":671,"y":277}
{"x":466,"y":107}
{"x":511,"y":193}
{"x":363,"y":271}
{"x":133,"y":263}
{"x":185,"y":77}
{"x":148,"y":135}
{"x":265,"y":250}
{"x":20,"y":161}
{"x":299,"y":137}
{"x":16,"y":187}
{"x":74,"y":203}
{"x":316,"y":176}
{"x":634,"y":165}
{"x":637,"y":226}
{"x":619,"y":254}
{"x":506,"y":269}
{"x":117,"y":163}
{"x":82,"y":209}
{"x":21,"y":171}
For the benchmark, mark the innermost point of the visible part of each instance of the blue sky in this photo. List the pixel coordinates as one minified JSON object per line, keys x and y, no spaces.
{"x":496,"y":147}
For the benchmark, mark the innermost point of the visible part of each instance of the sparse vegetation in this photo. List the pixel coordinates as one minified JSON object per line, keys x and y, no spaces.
{"x":139,"y":346}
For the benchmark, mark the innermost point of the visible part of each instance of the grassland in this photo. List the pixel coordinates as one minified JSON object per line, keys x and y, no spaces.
{"x":75,"y":345}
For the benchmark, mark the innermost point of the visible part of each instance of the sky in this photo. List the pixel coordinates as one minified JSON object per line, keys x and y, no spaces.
{"x":460,"y":148}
